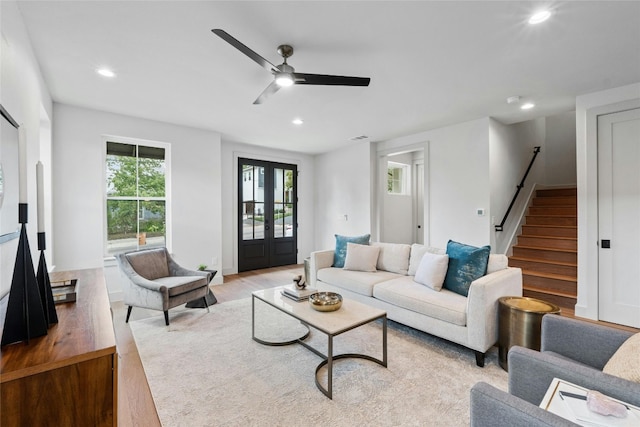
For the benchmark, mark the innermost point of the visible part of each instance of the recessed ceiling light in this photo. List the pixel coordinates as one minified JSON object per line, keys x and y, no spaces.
{"x":527,"y":106}
{"x":297,"y":121}
{"x":105,"y":72}
{"x":539,"y":17}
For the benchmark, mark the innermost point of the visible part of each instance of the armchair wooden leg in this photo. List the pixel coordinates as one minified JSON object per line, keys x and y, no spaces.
{"x":128,"y":313}
{"x":204,"y":301}
{"x":166,"y":317}
{"x":479,"y":359}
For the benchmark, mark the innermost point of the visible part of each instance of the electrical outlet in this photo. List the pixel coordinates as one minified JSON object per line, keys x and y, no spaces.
{"x":214,"y":260}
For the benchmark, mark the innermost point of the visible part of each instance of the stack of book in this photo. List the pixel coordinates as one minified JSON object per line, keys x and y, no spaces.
{"x":296,"y":294}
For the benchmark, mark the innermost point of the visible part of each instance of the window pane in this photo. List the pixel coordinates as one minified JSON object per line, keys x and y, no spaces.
{"x":151,"y":180}
{"x":253,"y":221}
{"x":152,"y":223}
{"x":278,"y":219}
{"x":258,"y":183}
{"x":121,"y":225}
{"x":278,"y":185}
{"x":247,"y":184}
{"x":121,"y":176}
{"x":288,"y":220}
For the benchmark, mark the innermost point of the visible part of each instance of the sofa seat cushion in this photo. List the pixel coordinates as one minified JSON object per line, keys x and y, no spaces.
{"x":181,"y":284}
{"x":360,"y":282}
{"x":404,"y":292}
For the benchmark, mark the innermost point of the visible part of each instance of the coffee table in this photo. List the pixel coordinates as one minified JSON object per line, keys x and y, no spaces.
{"x":351,"y":315}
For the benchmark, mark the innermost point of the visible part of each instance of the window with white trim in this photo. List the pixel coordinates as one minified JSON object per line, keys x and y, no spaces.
{"x":136,"y":196}
{"x":397,"y":178}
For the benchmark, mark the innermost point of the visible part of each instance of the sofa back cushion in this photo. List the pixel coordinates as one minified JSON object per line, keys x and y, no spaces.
{"x":150,"y":264}
{"x":497,"y":262}
{"x":394,"y":257}
{"x":417,"y":251}
{"x":432,"y":270}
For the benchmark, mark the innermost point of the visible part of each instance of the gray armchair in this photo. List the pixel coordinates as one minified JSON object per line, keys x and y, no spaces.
{"x":573,"y":350}
{"x":157,"y":282}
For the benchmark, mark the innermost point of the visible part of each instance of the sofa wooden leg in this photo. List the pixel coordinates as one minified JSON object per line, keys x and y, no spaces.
{"x":166,"y":317}
{"x":479,"y":359}
{"x":128,"y":313}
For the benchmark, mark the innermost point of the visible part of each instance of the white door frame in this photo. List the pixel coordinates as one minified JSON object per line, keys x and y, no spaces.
{"x":588,"y":110}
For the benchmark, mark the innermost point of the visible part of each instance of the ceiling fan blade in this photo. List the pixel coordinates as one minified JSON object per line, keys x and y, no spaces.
{"x":270,"y":90}
{"x":244,"y":49}
{"x":324,"y":79}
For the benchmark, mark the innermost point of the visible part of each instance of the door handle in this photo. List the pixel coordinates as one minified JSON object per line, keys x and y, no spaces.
{"x":266,"y":224}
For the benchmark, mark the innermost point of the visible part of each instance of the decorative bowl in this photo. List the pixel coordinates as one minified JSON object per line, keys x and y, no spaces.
{"x":325,"y":301}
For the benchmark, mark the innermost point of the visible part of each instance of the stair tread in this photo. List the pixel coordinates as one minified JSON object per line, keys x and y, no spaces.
{"x":544,"y":248}
{"x":550,"y":237}
{"x":550,"y":275}
{"x":549,"y":292}
{"x":552,"y":216}
{"x":550,"y":225}
{"x":544,"y":261}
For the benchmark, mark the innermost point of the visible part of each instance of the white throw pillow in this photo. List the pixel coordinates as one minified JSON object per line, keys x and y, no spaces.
{"x":432,"y":270}
{"x":624,"y":362}
{"x":417,"y":251}
{"x":394,"y":257}
{"x":361,"y":257}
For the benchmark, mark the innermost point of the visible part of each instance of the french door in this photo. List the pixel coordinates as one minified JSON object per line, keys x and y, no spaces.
{"x":267,"y":214}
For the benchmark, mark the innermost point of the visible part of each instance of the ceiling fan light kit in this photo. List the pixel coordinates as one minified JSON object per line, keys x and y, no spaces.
{"x":284,"y":74}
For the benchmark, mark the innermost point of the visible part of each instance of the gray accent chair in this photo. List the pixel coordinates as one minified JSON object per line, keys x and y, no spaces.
{"x":572,"y":350}
{"x":157,"y":282}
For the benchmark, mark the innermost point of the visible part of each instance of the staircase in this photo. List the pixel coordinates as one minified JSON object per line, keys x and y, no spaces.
{"x":547,"y":249}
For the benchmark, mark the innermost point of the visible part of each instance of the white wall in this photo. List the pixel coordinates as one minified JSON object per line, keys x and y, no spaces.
{"x":456,"y":181}
{"x":230,"y":153}
{"x":343,"y":187}
{"x":78,"y":190}
{"x":511,"y":150}
{"x":588,"y":107}
{"x":560,"y":149}
{"x":24,"y":94}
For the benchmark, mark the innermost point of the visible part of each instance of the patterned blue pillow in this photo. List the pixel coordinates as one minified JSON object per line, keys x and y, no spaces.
{"x":466,"y":264}
{"x":341,"y":247}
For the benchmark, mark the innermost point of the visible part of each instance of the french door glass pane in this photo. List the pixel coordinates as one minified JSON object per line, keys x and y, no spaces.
{"x":282,"y":206}
{"x":253,"y":221}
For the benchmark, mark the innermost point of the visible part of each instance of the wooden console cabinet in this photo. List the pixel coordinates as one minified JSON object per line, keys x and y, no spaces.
{"x":68,"y":377}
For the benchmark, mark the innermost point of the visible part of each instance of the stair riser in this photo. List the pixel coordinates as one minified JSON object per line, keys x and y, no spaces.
{"x":541,"y":230}
{"x":553,"y":299}
{"x":557,"y":192}
{"x":552,"y":220}
{"x":540,"y":242}
{"x":554,"y":201}
{"x":563,"y":286}
{"x":553,"y":210}
{"x":543,"y":267}
{"x":546,"y":254}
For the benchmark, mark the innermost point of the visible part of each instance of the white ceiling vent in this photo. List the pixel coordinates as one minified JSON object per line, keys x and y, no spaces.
{"x":358,"y":138}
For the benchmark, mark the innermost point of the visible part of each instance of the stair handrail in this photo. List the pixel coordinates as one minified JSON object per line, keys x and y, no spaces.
{"x":500,"y":226}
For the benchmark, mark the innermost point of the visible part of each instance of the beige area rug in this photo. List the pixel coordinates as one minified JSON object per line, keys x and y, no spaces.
{"x":205,"y":370}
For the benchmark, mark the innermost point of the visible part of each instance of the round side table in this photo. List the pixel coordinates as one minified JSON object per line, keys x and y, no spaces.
{"x":520,"y":320}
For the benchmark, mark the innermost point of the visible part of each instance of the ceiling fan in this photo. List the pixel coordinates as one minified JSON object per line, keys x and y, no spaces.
{"x":284,"y":74}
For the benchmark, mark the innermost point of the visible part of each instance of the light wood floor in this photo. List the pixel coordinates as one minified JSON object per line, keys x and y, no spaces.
{"x":135,"y":404}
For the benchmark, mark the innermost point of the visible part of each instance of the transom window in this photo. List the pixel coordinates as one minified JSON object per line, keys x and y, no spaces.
{"x":136,"y":196}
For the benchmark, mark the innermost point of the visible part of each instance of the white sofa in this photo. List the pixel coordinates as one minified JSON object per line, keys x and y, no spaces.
{"x":471,"y":321}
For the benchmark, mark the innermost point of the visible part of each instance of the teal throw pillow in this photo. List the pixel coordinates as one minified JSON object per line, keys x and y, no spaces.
{"x":466,"y":264}
{"x":340,"y":253}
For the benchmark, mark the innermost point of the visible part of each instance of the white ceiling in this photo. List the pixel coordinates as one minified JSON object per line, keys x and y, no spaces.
{"x":431,"y":63}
